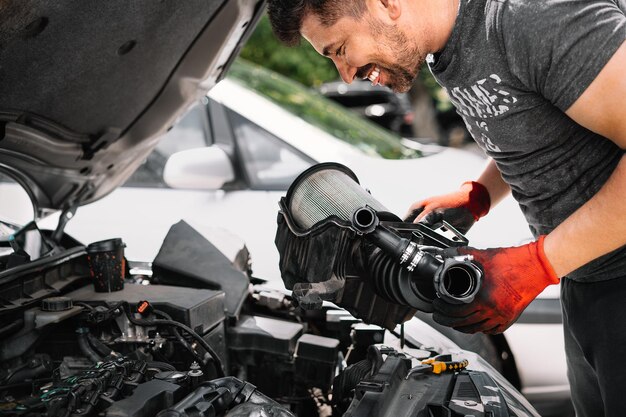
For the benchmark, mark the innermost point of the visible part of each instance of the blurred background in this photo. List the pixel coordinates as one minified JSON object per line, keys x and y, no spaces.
{"x":424,"y":113}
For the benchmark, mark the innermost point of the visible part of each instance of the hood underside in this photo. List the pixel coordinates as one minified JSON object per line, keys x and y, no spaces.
{"x":86,"y":87}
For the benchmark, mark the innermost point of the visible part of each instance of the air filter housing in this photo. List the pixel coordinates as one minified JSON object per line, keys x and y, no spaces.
{"x":317,"y":244}
{"x":338,"y":243}
{"x":326,"y":190}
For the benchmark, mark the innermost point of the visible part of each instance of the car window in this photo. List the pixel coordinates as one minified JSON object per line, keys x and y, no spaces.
{"x":189,"y":133}
{"x":321,"y":112}
{"x":270,"y":163}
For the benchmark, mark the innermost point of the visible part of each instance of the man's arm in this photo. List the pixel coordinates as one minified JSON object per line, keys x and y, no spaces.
{"x":492,"y":180}
{"x":465,"y":206}
{"x":599,"y":226}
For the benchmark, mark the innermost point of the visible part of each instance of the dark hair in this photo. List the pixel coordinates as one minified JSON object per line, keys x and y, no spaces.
{"x":286,"y":15}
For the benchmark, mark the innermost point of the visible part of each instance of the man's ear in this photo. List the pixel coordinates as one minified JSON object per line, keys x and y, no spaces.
{"x":391,"y":8}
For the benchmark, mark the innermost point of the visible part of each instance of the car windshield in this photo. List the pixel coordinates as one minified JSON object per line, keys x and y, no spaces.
{"x":321,"y":112}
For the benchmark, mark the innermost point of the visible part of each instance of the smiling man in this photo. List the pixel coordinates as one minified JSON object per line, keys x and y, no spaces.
{"x":540,"y":85}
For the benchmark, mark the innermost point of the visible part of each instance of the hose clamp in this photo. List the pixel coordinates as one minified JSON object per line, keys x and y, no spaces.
{"x":408,"y":252}
{"x":416,"y":259}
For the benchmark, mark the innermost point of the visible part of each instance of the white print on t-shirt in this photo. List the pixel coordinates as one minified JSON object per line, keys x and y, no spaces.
{"x":483,"y":100}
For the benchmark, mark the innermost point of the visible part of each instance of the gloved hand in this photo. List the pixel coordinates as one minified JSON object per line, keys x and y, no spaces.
{"x":461,"y":208}
{"x":512,"y":278}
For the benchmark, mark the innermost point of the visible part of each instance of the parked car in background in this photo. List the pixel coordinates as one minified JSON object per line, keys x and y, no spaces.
{"x":394,"y":111}
{"x":375,"y":102}
{"x":227,"y":162}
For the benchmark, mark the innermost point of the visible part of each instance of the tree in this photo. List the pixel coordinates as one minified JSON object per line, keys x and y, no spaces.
{"x":304,"y":64}
{"x":301,"y":63}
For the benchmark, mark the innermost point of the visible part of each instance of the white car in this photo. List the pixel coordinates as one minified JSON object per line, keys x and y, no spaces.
{"x":87,"y":91}
{"x":229,"y":160}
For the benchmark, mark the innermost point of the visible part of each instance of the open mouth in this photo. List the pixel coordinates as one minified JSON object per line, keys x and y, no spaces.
{"x":374,"y":75}
{"x":370,"y":72}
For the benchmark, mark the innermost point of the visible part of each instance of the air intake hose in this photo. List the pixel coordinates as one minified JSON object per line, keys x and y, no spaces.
{"x":404,"y":263}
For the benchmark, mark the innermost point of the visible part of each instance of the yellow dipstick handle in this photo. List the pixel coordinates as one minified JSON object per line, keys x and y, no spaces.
{"x":439,"y":367}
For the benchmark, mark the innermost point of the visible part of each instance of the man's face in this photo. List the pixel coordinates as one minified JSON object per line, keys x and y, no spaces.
{"x":366,"y":48}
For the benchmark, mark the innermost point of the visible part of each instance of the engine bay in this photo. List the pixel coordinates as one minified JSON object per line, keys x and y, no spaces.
{"x":196,"y":335}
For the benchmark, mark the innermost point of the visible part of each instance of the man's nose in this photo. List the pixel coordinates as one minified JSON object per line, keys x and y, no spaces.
{"x":346,"y":71}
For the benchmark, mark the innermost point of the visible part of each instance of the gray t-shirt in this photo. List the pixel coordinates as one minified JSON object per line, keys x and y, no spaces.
{"x":512,"y":68}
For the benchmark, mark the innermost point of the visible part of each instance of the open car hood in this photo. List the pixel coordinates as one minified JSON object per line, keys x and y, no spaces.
{"x":87,"y":87}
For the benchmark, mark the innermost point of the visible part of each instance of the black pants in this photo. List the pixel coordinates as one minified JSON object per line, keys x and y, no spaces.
{"x":594,"y":322}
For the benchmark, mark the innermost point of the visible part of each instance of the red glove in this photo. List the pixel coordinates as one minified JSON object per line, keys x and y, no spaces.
{"x":461,"y":208}
{"x":512,"y":278}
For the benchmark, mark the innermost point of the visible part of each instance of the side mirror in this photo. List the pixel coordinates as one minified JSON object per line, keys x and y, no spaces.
{"x":200,"y":169}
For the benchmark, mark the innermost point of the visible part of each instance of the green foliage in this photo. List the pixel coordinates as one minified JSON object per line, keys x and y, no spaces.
{"x":442,"y":102}
{"x":301,"y":63}
{"x":321,"y":112}
{"x":304,"y":64}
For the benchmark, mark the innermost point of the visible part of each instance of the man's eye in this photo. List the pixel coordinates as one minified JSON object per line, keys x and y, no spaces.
{"x":340,"y":51}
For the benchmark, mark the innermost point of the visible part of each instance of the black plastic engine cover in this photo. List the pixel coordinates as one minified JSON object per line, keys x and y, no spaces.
{"x":390,"y":393}
{"x":199,"y":309}
{"x":148,"y":399}
{"x":229,"y":397}
{"x":188,"y":259}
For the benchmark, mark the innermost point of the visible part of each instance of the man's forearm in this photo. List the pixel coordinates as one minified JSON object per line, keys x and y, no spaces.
{"x":492,"y":180}
{"x":596,"y":228}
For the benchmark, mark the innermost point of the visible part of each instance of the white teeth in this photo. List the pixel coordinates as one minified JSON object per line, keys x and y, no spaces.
{"x":374,"y":74}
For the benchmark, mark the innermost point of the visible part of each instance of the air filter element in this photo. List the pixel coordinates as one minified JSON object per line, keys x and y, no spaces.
{"x":326,"y":190}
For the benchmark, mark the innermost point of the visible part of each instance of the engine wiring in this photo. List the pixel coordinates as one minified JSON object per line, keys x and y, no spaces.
{"x":95,"y":316}
{"x":219,"y":366}
{"x":82,"y":393}
{"x":180,"y":337}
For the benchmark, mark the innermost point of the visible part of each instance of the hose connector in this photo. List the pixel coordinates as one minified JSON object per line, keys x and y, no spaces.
{"x":458,"y":280}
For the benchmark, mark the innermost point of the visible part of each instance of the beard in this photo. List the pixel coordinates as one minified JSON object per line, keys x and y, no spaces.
{"x":400,"y":79}
{"x":409,"y":58}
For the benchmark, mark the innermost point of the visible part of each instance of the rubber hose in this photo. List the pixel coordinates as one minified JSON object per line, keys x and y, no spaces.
{"x":98,"y":346}
{"x":349,"y":379}
{"x":86,"y":349}
{"x":181,"y":339}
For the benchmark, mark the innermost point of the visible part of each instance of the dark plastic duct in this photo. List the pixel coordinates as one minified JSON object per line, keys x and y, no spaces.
{"x":338,"y":243}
